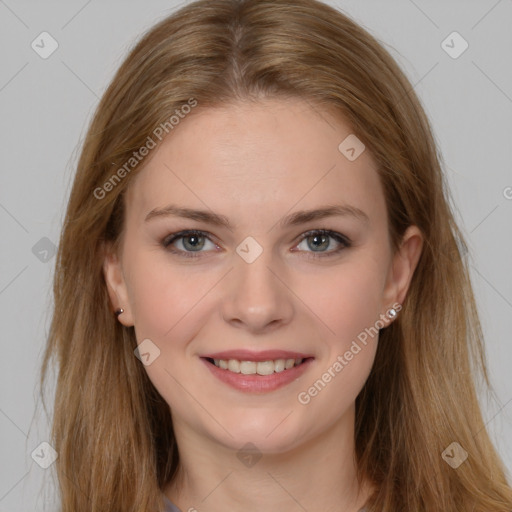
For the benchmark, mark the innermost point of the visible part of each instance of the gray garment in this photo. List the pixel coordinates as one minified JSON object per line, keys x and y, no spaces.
{"x":169,"y":507}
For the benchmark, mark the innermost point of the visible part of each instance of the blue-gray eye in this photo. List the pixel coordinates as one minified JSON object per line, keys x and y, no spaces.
{"x":193,"y":241}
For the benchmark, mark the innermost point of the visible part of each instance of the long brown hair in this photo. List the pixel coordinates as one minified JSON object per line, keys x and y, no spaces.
{"x":111,"y":428}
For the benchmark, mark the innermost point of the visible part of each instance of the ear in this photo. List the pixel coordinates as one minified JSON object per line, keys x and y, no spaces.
{"x":116,"y":285}
{"x":403,"y":266}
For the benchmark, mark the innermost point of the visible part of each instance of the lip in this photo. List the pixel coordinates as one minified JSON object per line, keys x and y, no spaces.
{"x":258,"y":383}
{"x":264,"y":355}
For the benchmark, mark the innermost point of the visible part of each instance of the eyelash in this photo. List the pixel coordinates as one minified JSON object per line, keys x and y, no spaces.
{"x":168,"y":240}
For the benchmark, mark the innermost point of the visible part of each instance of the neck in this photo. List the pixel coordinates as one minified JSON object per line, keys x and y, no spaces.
{"x":318,"y":475}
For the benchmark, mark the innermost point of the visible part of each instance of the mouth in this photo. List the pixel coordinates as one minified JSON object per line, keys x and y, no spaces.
{"x":247,"y":367}
{"x":257,"y":373}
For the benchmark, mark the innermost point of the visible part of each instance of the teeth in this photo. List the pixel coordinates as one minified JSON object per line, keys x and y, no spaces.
{"x":234,"y":366}
{"x":279,"y":365}
{"x":248,"y":367}
{"x":260,"y":367}
{"x":265,"y":367}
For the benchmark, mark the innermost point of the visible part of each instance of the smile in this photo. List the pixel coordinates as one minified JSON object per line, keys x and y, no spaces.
{"x":257,"y":376}
{"x":256,"y":367}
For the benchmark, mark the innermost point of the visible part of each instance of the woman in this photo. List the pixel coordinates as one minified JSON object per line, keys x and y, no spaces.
{"x":260,"y":297}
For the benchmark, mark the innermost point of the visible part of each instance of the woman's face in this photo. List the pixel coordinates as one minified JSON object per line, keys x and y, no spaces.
{"x":258,"y":283}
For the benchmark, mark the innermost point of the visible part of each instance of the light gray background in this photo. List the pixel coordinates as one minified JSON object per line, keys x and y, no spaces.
{"x":46,"y":105}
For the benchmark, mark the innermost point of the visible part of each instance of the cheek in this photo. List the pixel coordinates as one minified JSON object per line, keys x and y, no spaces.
{"x":350,"y":306}
{"x":162,"y":293}
{"x":349,"y":299}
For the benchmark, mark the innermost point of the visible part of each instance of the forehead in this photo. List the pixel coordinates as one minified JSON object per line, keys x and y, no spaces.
{"x":245,"y":156}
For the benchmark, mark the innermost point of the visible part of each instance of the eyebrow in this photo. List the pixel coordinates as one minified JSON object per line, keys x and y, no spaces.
{"x":294,"y":219}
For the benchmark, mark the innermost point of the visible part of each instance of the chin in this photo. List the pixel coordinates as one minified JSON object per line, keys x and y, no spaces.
{"x":269,"y":433}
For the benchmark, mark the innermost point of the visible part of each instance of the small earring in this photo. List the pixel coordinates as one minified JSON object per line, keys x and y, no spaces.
{"x":392,"y":313}
{"x":119,"y":311}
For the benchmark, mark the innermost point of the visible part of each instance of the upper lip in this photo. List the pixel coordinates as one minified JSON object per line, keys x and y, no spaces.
{"x":264,"y":355}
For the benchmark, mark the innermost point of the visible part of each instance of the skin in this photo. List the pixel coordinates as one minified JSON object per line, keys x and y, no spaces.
{"x":255,"y":163}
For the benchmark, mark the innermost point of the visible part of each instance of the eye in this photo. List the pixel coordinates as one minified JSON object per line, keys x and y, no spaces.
{"x":193,"y":241}
{"x":320,"y":240}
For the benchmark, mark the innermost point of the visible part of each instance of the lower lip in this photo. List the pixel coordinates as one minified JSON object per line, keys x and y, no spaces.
{"x":258,"y":383}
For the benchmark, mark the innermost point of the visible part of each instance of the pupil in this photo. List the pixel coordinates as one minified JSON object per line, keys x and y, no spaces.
{"x":316,"y":237}
{"x":192,"y":237}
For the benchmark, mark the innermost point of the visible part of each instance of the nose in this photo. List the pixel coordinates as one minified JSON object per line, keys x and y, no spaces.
{"x":257,"y":297}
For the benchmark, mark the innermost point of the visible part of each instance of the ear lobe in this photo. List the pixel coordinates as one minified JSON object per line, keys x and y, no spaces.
{"x":116,"y":286}
{"x":404,"y":264}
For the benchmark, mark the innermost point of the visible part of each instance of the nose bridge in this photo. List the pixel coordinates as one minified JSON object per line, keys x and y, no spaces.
{"x":256,"y":295}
